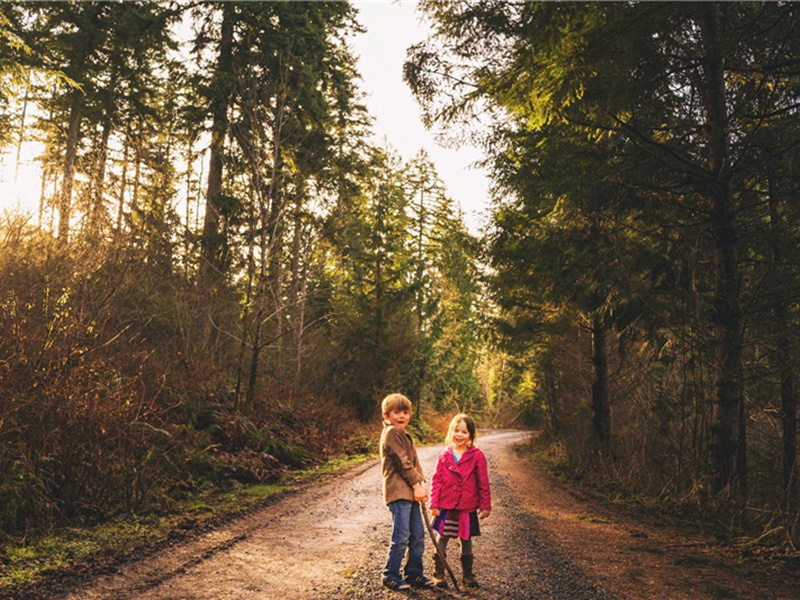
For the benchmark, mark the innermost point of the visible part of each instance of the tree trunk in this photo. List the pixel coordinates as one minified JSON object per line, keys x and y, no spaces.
{"x":260,"y":297}
{"x":210,"y":243}
{"x":726,"y":313}
{"x":42,"y":197}
{"x":123,"y":183}
{"x":270,"y":217}
{"x":301,"y":322}
{"x":137,"y":178}
{"x":48,"y":173}
{"x":550,"y":384}
{"x":423,"y":352}
{"x":65,"y":201}
{"x":378,"y":322}
{"x":276,"y":274}
{"x":783,"y":356}
{"x":21,"y":137}
{"x":299,"y":284}
{"x":99,"y":169}
{"x":188,"y":226}
{"x":98,"y":179}
{"x":251,"y":269}
{"x":601,"y":411}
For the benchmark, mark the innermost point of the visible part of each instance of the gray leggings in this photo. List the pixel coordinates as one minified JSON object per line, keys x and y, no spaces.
{"x":466,"y":545}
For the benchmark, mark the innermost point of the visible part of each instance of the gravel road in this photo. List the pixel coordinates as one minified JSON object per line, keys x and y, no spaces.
{"x":330,"y":541}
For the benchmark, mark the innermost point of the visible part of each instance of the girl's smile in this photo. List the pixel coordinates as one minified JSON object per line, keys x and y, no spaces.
{"x":461,"y":437}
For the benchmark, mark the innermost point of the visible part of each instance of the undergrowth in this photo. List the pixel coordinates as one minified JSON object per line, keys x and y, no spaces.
{"x":761,"y":539}
{"x":28,"y":561}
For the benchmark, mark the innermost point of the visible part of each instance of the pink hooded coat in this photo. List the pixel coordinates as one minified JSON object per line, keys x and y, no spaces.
{"x":462,"y":485}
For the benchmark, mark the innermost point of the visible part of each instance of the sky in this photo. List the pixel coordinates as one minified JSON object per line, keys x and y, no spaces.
{"x":392,"y":26}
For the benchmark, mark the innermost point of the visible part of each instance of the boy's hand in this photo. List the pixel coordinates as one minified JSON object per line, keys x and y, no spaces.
{"x":420,"y":495}
{"x":435,"y":512}
{"x":483,"y":514}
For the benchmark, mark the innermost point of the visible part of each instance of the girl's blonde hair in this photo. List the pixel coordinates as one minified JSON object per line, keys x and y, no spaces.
{"x":468,"y":422}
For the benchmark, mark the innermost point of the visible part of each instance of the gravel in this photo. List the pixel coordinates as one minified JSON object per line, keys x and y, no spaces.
{"x":515,"y":558}
{"x":329,"y":540}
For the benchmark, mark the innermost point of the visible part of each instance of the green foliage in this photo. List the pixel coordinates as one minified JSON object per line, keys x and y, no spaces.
{"x":634,"y":199}
{"x":147,"y":356}
{"x":37,"y":557}
{"x":405,"y":307}
{"x":421,"y":430}
{"x":24,"y":496}
{"x":592,"y":518}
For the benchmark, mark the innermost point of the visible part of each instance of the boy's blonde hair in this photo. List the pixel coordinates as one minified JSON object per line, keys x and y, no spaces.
{"x":473,"y":433}
{"x":395,"y":402}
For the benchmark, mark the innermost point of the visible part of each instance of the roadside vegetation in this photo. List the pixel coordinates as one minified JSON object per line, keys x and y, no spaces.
{"x":210,"y":275}
{"x":59,"y":554}
{"x":643,"y":248}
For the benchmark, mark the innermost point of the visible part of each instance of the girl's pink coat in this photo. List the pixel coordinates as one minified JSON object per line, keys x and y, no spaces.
{"x":463,"y":485}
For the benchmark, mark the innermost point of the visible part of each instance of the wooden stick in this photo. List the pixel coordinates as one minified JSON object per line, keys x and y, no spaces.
{"x":436,"y":545}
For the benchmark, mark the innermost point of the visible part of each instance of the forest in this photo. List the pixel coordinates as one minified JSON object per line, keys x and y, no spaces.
{"x":223,"y":275}
{"x":643,"y":248}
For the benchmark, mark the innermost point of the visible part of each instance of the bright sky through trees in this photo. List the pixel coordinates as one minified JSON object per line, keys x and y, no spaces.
{"x":20,"y":188}
{"x":392,"y":26}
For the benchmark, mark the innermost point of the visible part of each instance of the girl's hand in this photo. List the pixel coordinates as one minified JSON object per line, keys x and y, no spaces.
{"x":483,"y":514}
{"x":435,"y":512}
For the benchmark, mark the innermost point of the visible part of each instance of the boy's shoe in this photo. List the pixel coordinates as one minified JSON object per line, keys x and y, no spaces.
{"x":420,"y":581}
{"x":395,"y":585}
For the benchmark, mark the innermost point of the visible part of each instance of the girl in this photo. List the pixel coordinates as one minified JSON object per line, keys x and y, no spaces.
{"x":460,"y":495}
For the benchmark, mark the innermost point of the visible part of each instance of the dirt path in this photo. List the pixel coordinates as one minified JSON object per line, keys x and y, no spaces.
{"x":330,"y":541}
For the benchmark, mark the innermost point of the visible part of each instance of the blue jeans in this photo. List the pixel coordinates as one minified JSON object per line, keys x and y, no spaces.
{"x":408,"y":533}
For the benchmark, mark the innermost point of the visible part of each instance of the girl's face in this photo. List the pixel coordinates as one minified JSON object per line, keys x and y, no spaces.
{"x":461,"y":437}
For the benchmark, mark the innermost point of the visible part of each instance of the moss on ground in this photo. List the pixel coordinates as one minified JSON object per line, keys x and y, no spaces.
{"x":26,"y":562}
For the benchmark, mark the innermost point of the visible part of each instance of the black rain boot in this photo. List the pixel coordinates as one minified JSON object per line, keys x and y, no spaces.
{"x":439,"y":579}
{"x":466,"y":571}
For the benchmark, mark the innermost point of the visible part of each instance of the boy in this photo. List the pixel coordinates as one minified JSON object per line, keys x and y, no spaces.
{"x":403,"y":491}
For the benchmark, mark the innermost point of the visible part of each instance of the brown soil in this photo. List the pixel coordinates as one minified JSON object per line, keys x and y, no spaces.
{"x":542,"y":540}
{"x":643,"y":558}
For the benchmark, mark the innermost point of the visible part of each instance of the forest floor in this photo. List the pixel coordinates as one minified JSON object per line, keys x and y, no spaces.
{"x":543,"y":540}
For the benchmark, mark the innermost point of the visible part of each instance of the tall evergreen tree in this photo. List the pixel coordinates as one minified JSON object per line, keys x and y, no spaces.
{"x":655,"y":85}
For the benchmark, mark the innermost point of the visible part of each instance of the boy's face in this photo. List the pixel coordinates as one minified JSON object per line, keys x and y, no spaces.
{"x":398,"y":418}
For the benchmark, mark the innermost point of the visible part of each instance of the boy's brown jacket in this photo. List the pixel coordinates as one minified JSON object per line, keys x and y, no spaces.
{"x":399,"y":463}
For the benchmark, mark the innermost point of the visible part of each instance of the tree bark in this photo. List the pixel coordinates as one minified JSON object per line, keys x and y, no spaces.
{"x":271,"y":217}
{"x":123,"y":182}
{"x":98,"y":178}
{"x":65,"y":201}
{"x":550,"y":384}
{"x":210,"y":265}
{"x":601,"y":419}
{"x":788,"y":393}
{"x":727,"y":463}
{"x":21,"y":137}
